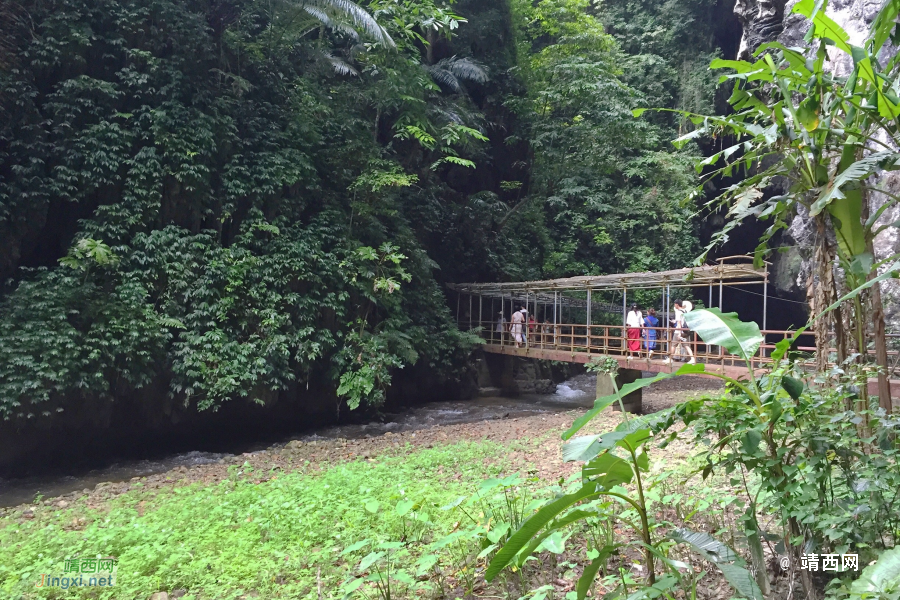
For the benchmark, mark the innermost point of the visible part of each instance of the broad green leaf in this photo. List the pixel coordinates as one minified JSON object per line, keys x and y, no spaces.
{"x":643,"y":461}
{"x":581,"y":448}
{"x":684,"y":139}
{"x":354,"y":547}
{"x":569,"y":517}
{"x":726,"y":330}
{"x":650,"y":421}
{"x":854,"y":172}
{"x":661,"y":589}
{"x":881,"y":576}
{"x":424,"y":564}
{"x":608,"y":471}
{"x":605,"y":401}
{"x":825,"y":27}
{"x":404,"y":507}
{"x":883,"y":24}
{"x":369,"y":560}
{"x":750,"y":441}
{"x":497,"y":532}
{"x":404,"y":577}
{"x":741,"y":580}
{"x":728,"y":561}
{"x":794,"y":387}
{"x":635,"y":439}
{"x":487,"y":550}
{"x":587,"y":447}
{"x":533,"y":525}
{"x":808,"y":114}
{"x":449,"y":539}
{"x":708,"y":161}
{"x":555,"y":543}
{"x":861,"y":265}
{"x":352,"y":587}
{"x":581,"y":421}
{"x":706,"y":545}
{"x":454,"y":504}
{"x":741,"y":66}
{"x":585,"y":582}
{"x":372,"y":506}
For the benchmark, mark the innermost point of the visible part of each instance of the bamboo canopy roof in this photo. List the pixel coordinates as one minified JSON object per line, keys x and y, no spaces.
{"x":688,"y":277}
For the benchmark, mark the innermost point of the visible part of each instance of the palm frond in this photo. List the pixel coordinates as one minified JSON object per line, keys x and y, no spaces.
{"x":466,"y":68}
{"x":340,"y":66}
{"x":326,"y":20}
{"x":450,"y":116}
{"x":448,"y":72}
{"x":443,"y":77}
{"x":353,"y":12}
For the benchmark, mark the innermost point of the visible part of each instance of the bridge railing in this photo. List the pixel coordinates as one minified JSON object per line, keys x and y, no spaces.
{"x":664,"y":342}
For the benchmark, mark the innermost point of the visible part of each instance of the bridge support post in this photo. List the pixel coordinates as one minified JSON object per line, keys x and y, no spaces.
{"x":633,"y":402}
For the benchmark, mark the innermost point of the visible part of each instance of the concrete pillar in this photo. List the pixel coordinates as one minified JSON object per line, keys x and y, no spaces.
{"x":508,"y":385}
{"x":633,"y":401}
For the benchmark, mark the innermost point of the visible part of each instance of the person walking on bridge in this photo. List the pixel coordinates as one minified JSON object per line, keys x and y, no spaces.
{"x":680,"y":335}
{"x":500,"y":330}
{"x":633,"y":323}
{"x":548,"y":333}
{"x":651,"y":323}
{"x":517,"y":326}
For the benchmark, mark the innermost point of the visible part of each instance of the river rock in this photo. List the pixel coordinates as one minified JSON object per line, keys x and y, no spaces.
{"x":62,"y":504}
{"x":179,"y":593}
{"x":159,"y":596}
{"x":28,"y":513}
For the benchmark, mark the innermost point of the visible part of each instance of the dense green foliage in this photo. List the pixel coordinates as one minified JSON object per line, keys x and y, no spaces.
{"x":610,"y":188}
{"x":230,"y":181}
{"x":228,"y":199}
{"x":278,"y":534}
{"x":818,"y":135}
{"x":812,"y":475}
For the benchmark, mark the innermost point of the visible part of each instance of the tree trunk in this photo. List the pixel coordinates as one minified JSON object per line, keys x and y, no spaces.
{"x":878,"y":333}
{"x":430,"y":38}
{"x":881,"y":356}
{"x":821,"y":293}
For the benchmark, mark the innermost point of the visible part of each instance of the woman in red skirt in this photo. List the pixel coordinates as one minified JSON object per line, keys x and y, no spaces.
{"x":633,"y":323}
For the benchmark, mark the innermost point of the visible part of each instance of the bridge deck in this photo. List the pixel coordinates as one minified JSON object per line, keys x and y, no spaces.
{"x":572,"y":344}
{"x":654,"y":365}
{"x":567,"y":310}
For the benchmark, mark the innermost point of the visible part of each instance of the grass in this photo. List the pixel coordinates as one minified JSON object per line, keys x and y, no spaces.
{"x":279,"y":538}
{"x":280,"y":532}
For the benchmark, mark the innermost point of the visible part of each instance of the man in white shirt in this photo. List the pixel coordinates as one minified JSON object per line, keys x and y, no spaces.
{"x":680,"y":337}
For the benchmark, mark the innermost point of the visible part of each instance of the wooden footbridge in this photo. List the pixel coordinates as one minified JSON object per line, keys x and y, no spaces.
{"x":579,"y":318}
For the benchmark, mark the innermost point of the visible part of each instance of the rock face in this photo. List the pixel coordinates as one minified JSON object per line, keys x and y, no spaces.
{"x":513,"y":375}
{"x":772,"y":20}
{"x":762,"y":21}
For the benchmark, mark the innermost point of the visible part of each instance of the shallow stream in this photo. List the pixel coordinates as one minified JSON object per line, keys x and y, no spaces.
{"x":577,"y":392}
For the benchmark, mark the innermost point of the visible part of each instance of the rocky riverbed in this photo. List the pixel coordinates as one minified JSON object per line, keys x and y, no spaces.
{"x":507,"y":421}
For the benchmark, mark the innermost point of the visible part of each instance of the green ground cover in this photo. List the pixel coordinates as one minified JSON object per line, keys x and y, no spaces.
{"x":280,"y":538}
